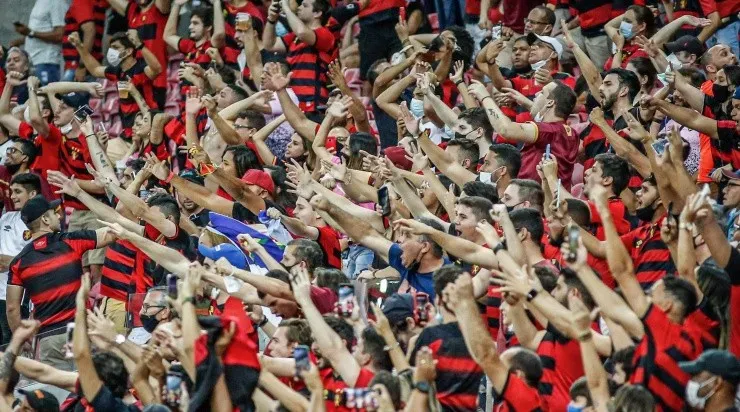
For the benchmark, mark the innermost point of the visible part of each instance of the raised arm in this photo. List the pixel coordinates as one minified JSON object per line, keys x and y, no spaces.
{"x":89,"y":380}
{"x":520,"y":132}
{"x":270,"y":41}
{"x":218,"y":37}
{"x":589,"y":71}
{"x":387,"y":100}
{"x":92,"y":65}
{"x":260,"y":136}
{"x":688,"y":117}
{"x":169,"y":258}
{"x":43,"y":373}
{"x":170,"y":29}
{"x":596,"y":377}
{"x":239,"y":190}
{"x":37,"y":121}
{"x":622,"y":147}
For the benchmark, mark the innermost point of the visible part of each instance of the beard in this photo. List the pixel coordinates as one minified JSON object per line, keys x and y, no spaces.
{"x":609,"y":101}
{"x":13,"y":169}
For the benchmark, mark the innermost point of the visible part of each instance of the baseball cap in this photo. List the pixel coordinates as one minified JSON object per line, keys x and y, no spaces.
{"x":398,"y":307}
{"x":717,"y":362}
{"x":192,"y":175}
{"x":686,"y":43}
{"x":40,"y":400}
{"x":228,"y":250}
{"x":259,"y":178}
{"x":74,"y":100}
{"x":553,"y":42}
{"x":36,"y":207}
{"x":397,"y":155}
{"x":731,"y":175}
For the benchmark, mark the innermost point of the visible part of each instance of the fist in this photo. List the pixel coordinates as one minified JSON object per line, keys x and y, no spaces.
{"x":274,"y":214}
{"x":74,"y":39}
{"x":212,"y":52}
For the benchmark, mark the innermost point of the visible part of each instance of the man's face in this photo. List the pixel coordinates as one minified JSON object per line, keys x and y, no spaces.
{"x":279,"y":345}
{"x":490,"y":163}
{"x":722,"y":56}
{"x":305,"y":11}
{"x":243,"y":128}
{"x":465,"y":222}
{"x":55,"y":223}
{"x":284,"y":308}
{"x":540,"y":51}
{"x":304,"y":211}
{"x":19,"y":195}
{"x":16,"y":62}
{"x":520,"y":54}
{"x":512,"y":199}
{"x":122,"y":50}
{"x":427,"y":195}
{"x":289,"y":259}
{"x":153,"y":305}
{"x":197,"y":28}
{"x":411,"y":249}
{"x":295,"y":147}
{"x":646,"y":195}
{"x":64,"y":115}
{"x":226,"y":97}
{"x":464,"y":128}
{"x":735,"y":112}
{"x":14,"y":155}
{"x":593,"y":177}
{"x":560,"y":293}
{"x":659,"y":297}
{"x":609,"y":91}
{"x":535,"y":22}
{"x":731,"y":193}
{"x":358,"y":352}
{"x":186,"y":203}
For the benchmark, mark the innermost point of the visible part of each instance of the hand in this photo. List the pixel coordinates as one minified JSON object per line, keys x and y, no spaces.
{"x":300,"y":179}
{"x":420,"y":67}
{"x":81,"y":75}
{"x":669,"y":230}
{"x":312,"y":379}
{"x":507,"y":33}
{"x":635,"y":128}
{"x":426,"y":366}
{"x":22,"y":29}
{"x":301,"y":283}
{"x":412,"y":226}
{"x":213,"y":53}
{"x":549,"y":166}
{"x":409,"y":120}
{"x":84,"y":291}
{"x":488,"y":232}
{"x":276,"y":81}
{"x":133,"y":36}
{"x":274,"y":214}
{"x":33,"y":82}
{"x":581,"y":255}
{"x":493,"y":49}
{"x":542,"y":76}
{"x":336,"y":171}
{"x":567,"y":36}
{"x":696,"y":21}
{"x":519,"y":283}
{"x":597,"y":117}
{"x":193,"y":104}
{"x":248,"y":243}
{"x":67,"y":186}
{"x":319,"y":202}
{"x":484,"y":22}
{"x":423,"y":83}
{"x":158,"y":168}
{"x":402,"y":30}
{"x":273,"y":13}
{"x":478,"y":90}
{"x":116,"y":230}
{"x":100,"y":327}
{"x":224,"y":339}
{"x":366,"y":274}
{"x":191,"y":282}
{"x":210,"y":103}
{"x":618,"y":40}
{"x":419,"y":161}
{"x":581,"y":319}
{"x":24,"y":332}
{"x":337,"y":110}
{"x":381,"y":323}
{"x":457,"y":75}
{"x":153,"y":360}
{"x":336,"y":75}
{"x":96,"y":89}
{"x":86,"y":127}
{"x":462,"y":290}
{"x":15,"y":79}
{"x":514,"y":95}
{"x":697,"y":210}
{"x":222,"y":267}
{"x":599,"y":196}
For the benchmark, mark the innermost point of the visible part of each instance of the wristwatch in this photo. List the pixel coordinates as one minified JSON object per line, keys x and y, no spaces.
{"x":120,"y":339}
{"x":422,"y":387}
{"x":31,"y":34}
{"x":532,"y":294}
{"x":501,"y":246}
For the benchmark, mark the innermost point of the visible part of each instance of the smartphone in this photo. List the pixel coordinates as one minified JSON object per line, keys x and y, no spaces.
{"x":659,"y":146}
{"x":82,"y":113}
{"x":574,"y":234}
{"x":348,"y":397}
{"x":173,"y":389}
{"x":384,"y":201}
{"x":547,"y":151}
{"x":346,"y":293}
{"x":496,"y":31}
{"x":144,"y":194}
{"x":300,"y":354}
{"x":704,"y":193}
{"x":172,"y":285}
{"x":70,"y":338}
{"x":557,"y":195}
{"x":420,"y":307}
{"x":402,"y":13}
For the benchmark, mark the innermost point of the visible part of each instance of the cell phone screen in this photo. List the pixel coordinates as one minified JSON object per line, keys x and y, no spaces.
{"x":300,"y":354}
{"x":82,"y":113}
{"x":172,"y":285}
{"x":383,"y":202}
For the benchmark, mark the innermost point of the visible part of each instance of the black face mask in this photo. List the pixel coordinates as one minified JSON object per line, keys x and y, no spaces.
{"x":150,"y":322}
{"x":721,"y":93}
{"x":645,"y":213}
{"x":459,"y":136}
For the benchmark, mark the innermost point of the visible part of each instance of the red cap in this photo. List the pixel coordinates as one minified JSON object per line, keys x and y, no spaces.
{"x":259,"y":178}
{"x":397,"y":155}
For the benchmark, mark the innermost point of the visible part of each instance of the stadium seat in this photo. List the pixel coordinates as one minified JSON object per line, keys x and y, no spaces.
{"x":116,"y":127}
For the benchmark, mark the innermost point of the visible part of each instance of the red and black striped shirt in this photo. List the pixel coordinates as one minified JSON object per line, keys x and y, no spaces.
{"x":150,"y":24}
{"x":518,"y":396}
{"x":135,"y":74}
{"x":650,"y":255}
{"x":50,"y":269}
{"x":309,"y":65}
{"x":733,"y":269}
{"x":193,"y":54}
{"x":664,"y":345}
{"x":458,"y":375}
{"x":593,"y":15}
{"x":73,"y":155}
{"x":79,"y":13}
{"x":329,"y":241}
{"x":561,"y":366}
{"x":118,"y":270}
{"x":526,"y":84}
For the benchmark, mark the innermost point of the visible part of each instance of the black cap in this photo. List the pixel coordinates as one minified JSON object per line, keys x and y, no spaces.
{"x":36,"y":207}
{"x":74,"y":100}
{"x":717,"y":362}
{"x":40,"y":400}
{"x":192,"y":175}
{"x":686,"y":43}
{"x":398,"y":307}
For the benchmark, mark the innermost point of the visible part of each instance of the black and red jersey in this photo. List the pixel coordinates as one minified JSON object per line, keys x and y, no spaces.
{"x":150,"y":273}
{"x":128,"y":107}
{"x":73,"y":155}
{"x":50,"y":270}
{"x":80,"y":12}
{"x":150,"y":24}
{"x":518,"y":396}
{"x":696,"y":8}
{"x":526,"y":84}
{"x":193,"y":54}
{"x":458,"y":375}
{"x":329,"y":241}
{"x":733,"y":269}
{"x":650,"y":255}
{"x":561,"y":366}
{"x":593,"y":15}
{"x":118,"y":270}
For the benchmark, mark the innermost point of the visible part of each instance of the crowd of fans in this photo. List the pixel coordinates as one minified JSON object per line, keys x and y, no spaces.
{"x":382,"y":205}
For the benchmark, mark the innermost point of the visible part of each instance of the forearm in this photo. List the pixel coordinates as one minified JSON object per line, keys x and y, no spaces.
{"x":709,"y":30}
{"x":289,"y":398}
{"x":191,"y":130}
{"x":254,"y":59}
{"x":445,"y":198}
{"x":525,"y":331}
{"x":465,"y":250}
{"x":319,"y":142}
{"x":411,"y":199}
{"x":389,"y":75}
{"x":100,"y":159}
{"x":596,"y":377}
{"x":622,"y":147}
{"x":387,"y":100}
{"x":54,"y":36}
{"x":666,"y":32}
{"x":693,"y":96}
{"x":302,"y":125}
{"x":443,"y":111}
{"x":358,"y":189}
{"x":689,"y":118}
{"x":264,"y":284}
{"x":498,"y":80}
{"x":468,"y":100}
{"x":225,"y":130}
{"x":589,"y":71}
{"x":5,"y":98}
{"x":92,"y":65}
{"x":239,"y":190}
{"x":346,"y":205}
{"x":140,"y":101}
{"x":169,"y":258}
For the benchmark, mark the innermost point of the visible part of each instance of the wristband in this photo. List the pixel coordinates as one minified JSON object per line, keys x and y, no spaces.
{"x":169,"y":177}
{"x":487,"y":97}
{"x":272,"y":22}
{"x":532,"y":294}
{"x":91,"y":135}
{"x":139,"y":47}
{"x":422,"y":387}
{"x":585,"y":336}
{"x":501,"y":246}
{"x":263,"y":322}
{"x":457,"y":83}
{"x":388,"y":348}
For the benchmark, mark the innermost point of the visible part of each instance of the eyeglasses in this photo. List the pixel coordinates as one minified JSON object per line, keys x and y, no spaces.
{"x":533,"y":22}
{"x":241,"y":126}
{"x":11,"y":150}
{"x":145,"y":307}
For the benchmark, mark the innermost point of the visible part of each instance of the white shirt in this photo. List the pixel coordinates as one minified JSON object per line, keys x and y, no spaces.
{"x":45,"y":15}
{"x":11,"y":242}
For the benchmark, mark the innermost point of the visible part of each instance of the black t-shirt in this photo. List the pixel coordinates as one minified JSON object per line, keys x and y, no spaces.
{"x":105,"y":401}
{"x":201,"y":219}
{"x":242,"y":214}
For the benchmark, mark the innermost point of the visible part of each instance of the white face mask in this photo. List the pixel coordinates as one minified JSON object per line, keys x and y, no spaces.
{"x":113,"y":56}
{"x":538,"y":65}
{"x":417,"y":108}
{"x":692,"y":393}
{"x":66,"y":128}
{"x":449,"y":132}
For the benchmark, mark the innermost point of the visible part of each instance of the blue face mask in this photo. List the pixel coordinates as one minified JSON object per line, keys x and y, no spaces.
{"x":417,"y":108}
{"x":574,"y":408}
{"x":280,"y":30}
{"x":626,"y":30}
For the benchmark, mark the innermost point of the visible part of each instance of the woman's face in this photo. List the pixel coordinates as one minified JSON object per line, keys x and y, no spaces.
{"x":142,"y":125}
{"x":295,"y":147}
{"x":228,"y":164}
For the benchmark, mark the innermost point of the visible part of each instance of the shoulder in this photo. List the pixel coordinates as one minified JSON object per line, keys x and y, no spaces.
{"x":79,"y":235}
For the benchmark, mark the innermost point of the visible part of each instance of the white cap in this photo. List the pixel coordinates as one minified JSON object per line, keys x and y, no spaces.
{"x":553,"y":42}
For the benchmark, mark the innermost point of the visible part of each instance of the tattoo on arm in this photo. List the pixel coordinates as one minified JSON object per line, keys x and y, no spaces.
{"x":6,"y":365}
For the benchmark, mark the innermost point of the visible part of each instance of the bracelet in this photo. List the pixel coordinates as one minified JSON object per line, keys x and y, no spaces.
{"x":90,"y":135}
{"x":169,"y":177}
{"x":585,"y":336}
{"x":457,"y":83}
{"x":388,"y":348}
{"x":487,"y":97}
{"x":263,"y":322}
{"x":686,"y":226}
{"x":139,"y":47}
